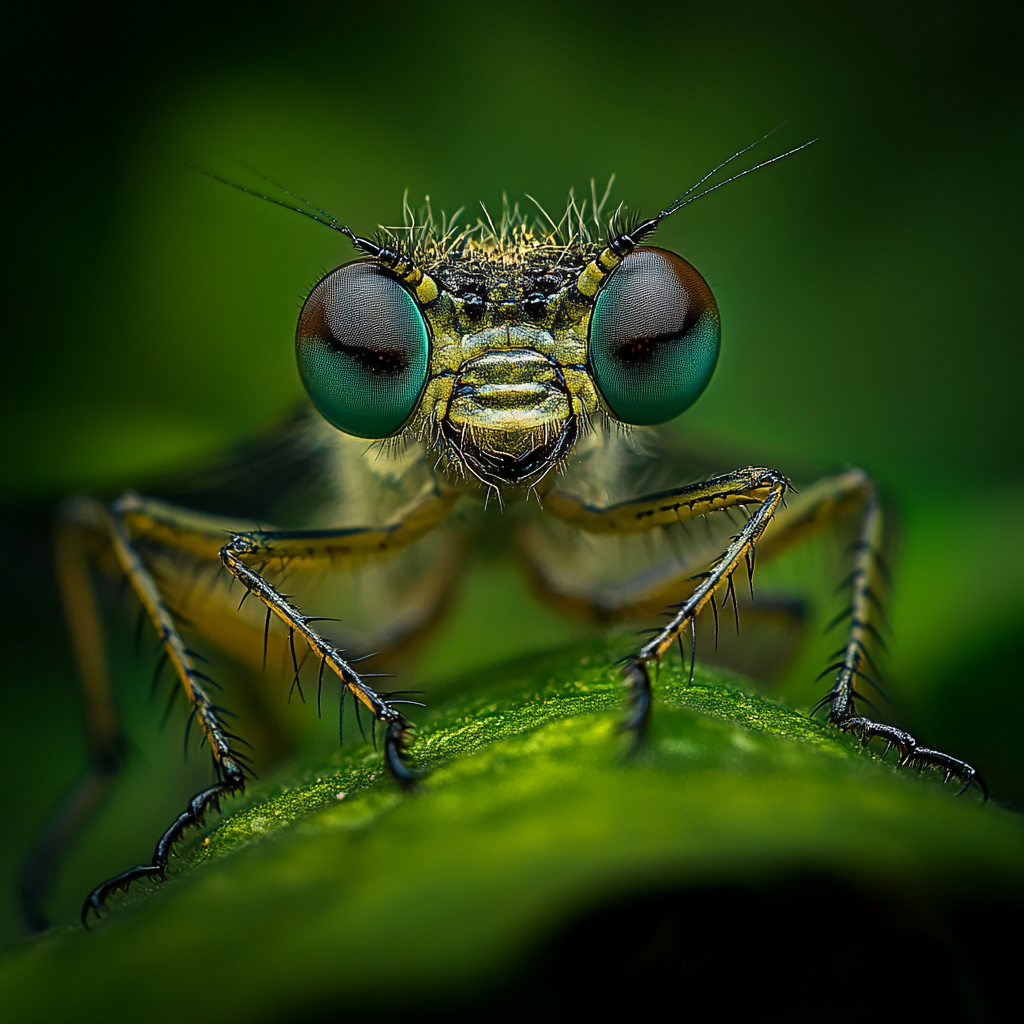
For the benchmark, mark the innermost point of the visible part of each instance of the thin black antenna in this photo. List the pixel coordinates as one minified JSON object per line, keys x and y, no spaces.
{"x":631,"y":238}
{"x":671,"y":208}
{"x":683,"y":201}
{"x":289,"y":192}
{"x":360,"y":243}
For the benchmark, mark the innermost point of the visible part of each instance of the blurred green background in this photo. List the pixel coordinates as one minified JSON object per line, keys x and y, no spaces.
{"x":868,"y":287}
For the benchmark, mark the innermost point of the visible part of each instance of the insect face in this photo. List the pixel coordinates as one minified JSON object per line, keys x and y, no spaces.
{"x":509,"y":387}
{"x":518,"y":346}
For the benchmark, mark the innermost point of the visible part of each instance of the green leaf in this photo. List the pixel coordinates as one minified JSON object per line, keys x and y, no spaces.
{"x":335,"y":887}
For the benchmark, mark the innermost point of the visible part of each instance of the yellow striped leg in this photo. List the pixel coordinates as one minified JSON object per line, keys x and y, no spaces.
{"x":752,"y":486}
{"x":256,"y":544}
{"x":228,"y":762}
{"x":741,"y":549}
{"x":812,"y":510}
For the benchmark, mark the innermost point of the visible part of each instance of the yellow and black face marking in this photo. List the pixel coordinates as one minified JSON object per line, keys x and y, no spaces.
{"x":476,"y":359}
{"x":501,"y":350}
{"x":478,"y":349}
{"x":534,"y":331}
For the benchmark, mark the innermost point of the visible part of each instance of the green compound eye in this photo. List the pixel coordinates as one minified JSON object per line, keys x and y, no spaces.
{"x":363,"y":348}
{"x":654,"y":337}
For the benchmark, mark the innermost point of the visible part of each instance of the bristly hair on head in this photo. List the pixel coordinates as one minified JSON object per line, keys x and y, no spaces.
{"x":574,"y":236}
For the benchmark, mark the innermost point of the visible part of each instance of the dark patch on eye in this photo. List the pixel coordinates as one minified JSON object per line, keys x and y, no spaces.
{"x":387,"y":362}
{"x":637,"y":351}
{"x":640,"y":350}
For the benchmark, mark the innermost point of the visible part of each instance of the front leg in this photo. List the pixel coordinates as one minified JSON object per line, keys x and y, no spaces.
{"x":284,"y":544}
{"x":758,"y":486}
{"x":767,"y":488}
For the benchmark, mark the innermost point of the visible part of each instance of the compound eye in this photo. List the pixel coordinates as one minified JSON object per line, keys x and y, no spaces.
{"x":654,"y":337}
{"x":363,"y":349}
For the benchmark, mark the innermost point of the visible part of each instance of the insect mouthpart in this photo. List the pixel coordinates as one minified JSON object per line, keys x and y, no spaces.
{"x":510,"y":416}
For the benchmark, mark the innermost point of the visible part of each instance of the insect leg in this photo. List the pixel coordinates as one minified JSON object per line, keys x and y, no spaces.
{"x":200,"y":535}
{"x":228,"y":763}
{"x":741,"y":549}
{"x":818,"y":506}
{"x":77,"y":520}
{"x":135,"y":519}
{"x":398,"y":731}
{"x":863,"y":611}
{"x":758,"y":486}
{"x":806,"y":512}
{"x":752,"y":486}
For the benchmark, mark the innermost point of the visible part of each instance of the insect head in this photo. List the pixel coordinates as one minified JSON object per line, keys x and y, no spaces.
{"x":500,"y":346}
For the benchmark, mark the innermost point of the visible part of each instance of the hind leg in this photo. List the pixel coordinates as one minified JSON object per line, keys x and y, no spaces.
{"x":79,"y":521}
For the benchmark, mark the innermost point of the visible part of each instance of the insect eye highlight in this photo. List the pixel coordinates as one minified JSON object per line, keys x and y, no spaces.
{"x":654,"y":337}
{"x":363,"y":348}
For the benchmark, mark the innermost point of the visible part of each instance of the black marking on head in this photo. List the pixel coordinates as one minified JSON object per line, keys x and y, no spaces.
{"x":535,"y":306}
{"x":474,"y":306}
